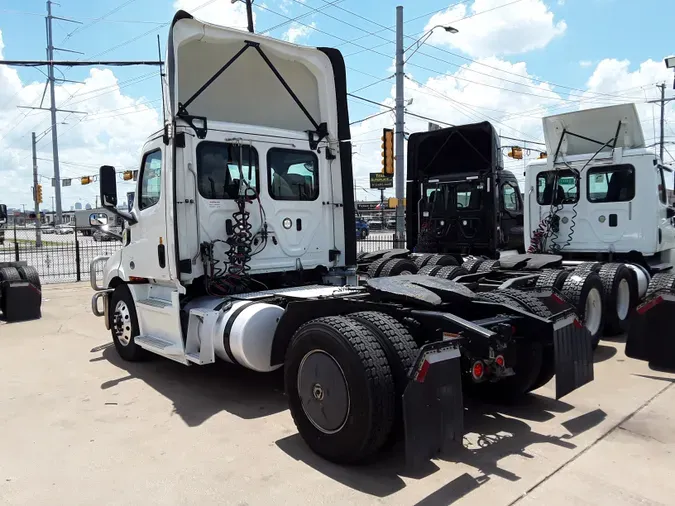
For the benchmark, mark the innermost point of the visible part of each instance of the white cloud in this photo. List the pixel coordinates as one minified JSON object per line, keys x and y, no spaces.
{"x":585,"y":63}
{"x":456,"y":101}
{"x":111,"y":133}
{"x":297,"y":32}
{"x":490,"y":29}
{"x":615,"y":77}
{"x":221,"y":12}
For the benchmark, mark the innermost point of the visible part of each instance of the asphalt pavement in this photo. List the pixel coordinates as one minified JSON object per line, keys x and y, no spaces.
{"x":79,"y":426}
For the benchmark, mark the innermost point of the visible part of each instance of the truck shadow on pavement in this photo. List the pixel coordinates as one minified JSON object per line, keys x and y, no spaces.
{"x":492,"y":433}
{"x":198,"y":393}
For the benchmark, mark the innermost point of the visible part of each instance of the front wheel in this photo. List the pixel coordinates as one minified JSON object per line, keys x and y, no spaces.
{"x":124,"y":325}
{"x":340,"y":389}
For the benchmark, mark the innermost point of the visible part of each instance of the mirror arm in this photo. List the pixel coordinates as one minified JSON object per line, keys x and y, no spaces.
{"x":125,"y":215}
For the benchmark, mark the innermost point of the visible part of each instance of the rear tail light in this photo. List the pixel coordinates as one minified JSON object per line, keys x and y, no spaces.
{"x":499,"y":360}
{"x":478,"y":370}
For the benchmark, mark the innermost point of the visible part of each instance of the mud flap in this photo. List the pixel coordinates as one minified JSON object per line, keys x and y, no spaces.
{"x":433,"y":408}
{"x":573,"y":355}
{"x":650,"y":334}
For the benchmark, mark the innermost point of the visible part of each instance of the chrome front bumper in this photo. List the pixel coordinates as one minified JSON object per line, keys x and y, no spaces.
{"x":101,"y":292}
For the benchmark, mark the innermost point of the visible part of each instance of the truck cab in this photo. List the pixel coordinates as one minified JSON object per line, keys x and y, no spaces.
{"x":600,"y":194}
{"x":460,"y":198}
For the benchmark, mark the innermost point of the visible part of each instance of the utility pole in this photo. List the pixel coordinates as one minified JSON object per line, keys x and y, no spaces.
{"x":662,"y":101}
{"x":399,"y":133}
{"x":249,"y":14}
{"x":36,"y":201}
{"x":663,"y":116}
{"x":52,"y":110}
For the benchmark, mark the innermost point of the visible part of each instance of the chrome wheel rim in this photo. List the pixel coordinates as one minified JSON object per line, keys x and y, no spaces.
{"x":623,"y":299}
{"x":323,"y":391}
{"x":122,"y":323}
{"x":593,"y":311}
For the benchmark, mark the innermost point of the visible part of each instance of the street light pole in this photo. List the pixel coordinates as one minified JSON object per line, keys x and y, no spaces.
{"x":399,"y":132}
{"x":399,"y":167}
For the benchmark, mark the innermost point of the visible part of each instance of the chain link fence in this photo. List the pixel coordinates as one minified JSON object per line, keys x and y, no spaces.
{"x":65,"y":252}
{"x":60,"y":254}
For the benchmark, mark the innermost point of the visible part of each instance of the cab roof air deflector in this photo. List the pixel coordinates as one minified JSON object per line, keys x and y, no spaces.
{"x":315,"y":136}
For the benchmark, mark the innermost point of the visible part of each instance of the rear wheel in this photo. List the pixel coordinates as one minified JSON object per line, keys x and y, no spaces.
{"x":340,"y":389}
{"x":376,"y":267}
{"x":443,"y":260}
{"x":423,"y":260}
{"x":552,"y":278}
{"x":398,"y":266}
{"x":400,"y":349}
{"x":584,"y":290}
{"x":473,"y":264}
{"x":661,"y":281}
{"x":9,"y":274}
{"x":430,"y":270}
{"x":620,"y":295}
{"x":451,"y":272}
{"x":488,"y":265}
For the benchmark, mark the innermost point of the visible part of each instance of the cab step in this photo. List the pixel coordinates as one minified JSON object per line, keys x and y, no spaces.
{"x":158,"y":305}
{"x":161,"y":347}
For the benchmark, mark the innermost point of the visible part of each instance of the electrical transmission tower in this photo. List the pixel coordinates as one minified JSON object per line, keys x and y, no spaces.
{"x":51,"y":64}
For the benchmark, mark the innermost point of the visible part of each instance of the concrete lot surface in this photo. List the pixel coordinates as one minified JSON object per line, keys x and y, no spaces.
{"x":79,"y":426}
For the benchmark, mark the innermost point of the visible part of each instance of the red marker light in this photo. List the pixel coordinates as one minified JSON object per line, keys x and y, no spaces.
{"x":578,"y":324}
{"x":477,"y":370}
{"x":648,"y":305}
{"x":556,"y":298}
{"x":422,"y":373}
{"x":500,"y":361}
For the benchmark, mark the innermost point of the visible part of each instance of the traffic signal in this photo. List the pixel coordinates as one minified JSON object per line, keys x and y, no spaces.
{"x":85,"y":180}
{"x":38,"y":194}
{"x":128,"y":175}
{"x":516,"y":153}
{"x":388,"y":151}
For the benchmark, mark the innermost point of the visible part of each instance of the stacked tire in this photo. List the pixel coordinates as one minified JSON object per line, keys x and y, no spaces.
{"x":583,"y":288}
{"x":345,"y":377}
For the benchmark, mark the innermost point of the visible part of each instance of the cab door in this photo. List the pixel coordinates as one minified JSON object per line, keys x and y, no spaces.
{"x":297,"y":212}
{"x":147,"y":253}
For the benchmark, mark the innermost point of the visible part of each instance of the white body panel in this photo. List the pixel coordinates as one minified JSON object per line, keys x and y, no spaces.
{"x":638,"y":224}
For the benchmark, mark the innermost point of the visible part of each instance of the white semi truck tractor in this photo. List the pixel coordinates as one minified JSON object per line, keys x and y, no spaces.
{"x":240,"y":247}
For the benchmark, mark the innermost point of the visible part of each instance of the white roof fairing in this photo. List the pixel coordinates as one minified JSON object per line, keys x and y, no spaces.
{"x":247,"y":92}
{"x":599,"y":124}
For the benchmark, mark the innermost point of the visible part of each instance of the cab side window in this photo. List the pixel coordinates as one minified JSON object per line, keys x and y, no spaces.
{"x":151,"y":180}
{"x":615,"y":183}
{"x":510,"y":197}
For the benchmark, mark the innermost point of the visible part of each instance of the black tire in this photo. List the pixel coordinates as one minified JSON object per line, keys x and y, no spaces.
{"x":552,"y":278}
{"x":9,"y":274}
{"x":488,"y":265}
{"x":576,"y":289}
{"x":429,"y":270}
{"x":423,"y":260}
{"x":443,"y":260}
{"x":376,"y":267}
{"x":400,"y":349}
{"x":450,"y":272}
{"x":620,"y":295}
{"x":547,"y":370}
{"x":124,"y":325}
{"x":588,"y":266}
{"x":472,"y":265}
{"x":661,"y":281}
{"x":367,"y":381}
{"x":531,"y":303}
{"x":398,"y":266}
{"x":31,"y":275}
{"x":499,"y":298}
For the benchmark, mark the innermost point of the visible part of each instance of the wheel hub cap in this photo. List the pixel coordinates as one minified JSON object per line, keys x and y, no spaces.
{"x":623,"y":300}
{"x":122,"y":323}
{"x":593,"y":311}
{"x":323,"y":391}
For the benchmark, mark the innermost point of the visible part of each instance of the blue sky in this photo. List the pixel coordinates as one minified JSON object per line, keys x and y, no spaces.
{"x":594,"y":46}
